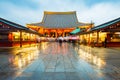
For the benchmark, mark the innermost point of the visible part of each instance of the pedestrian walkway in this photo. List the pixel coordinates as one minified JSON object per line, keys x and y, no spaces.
{"x":66,"y":62}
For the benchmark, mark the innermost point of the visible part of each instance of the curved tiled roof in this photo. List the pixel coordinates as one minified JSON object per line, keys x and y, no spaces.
{"x":107,"y":24}
{"x":59,"y":20}
{"x":17,"y":26}
{"x":13,"y":24}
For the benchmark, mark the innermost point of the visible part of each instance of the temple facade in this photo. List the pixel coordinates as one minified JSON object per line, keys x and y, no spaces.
{"x":55,"y":24}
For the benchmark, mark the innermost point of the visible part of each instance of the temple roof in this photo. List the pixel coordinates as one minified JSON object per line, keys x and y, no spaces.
{"x":59,"y":20}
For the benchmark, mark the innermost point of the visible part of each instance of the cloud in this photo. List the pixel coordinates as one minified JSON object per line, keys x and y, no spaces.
{"x":19,"y":15}
{"x":98,"y":13}
{"x":101,"y":13}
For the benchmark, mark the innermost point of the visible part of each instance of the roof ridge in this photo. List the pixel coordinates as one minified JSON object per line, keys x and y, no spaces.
{"x":60,"y":13}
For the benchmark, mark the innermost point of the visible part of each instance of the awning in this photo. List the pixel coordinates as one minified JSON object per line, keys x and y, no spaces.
{"x":77,"y":30}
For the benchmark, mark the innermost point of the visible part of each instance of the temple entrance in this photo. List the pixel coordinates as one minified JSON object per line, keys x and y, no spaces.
{"x":56,"y":24}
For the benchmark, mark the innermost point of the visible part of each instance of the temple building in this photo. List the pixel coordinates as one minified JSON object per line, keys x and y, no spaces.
{"x":55,"y":24}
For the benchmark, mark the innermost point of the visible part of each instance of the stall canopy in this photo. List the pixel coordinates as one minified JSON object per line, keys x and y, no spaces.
{"x":77,"y":30}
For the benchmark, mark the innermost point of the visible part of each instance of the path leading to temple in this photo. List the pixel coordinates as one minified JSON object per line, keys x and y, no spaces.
{"x":61,"y":62}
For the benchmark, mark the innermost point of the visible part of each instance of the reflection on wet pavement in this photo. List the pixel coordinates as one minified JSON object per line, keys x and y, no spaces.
{"x":50,"y":61}
{"x":101,"y":59}
{"x":89,"y":56}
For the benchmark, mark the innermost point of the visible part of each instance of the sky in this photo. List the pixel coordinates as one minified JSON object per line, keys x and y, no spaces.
{"x":31,"y":11}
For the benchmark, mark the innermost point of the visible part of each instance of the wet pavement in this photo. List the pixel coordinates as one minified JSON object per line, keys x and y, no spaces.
{"x":52,"y":61}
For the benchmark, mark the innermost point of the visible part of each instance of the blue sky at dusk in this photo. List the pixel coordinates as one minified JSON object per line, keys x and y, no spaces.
{"x":31,"y":11}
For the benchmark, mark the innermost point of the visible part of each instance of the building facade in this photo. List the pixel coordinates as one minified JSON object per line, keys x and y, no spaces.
{"x":106,"y":34}
{"x":12,"y":34}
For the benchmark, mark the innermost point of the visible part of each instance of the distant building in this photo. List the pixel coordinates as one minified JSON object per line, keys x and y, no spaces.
{"x":55,"y":24}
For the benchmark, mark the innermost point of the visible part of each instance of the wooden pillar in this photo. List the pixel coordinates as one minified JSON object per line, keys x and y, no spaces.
{"x":56,"y":34}
{"x":97,"y":37}
{"x":108,"y":36}
{"x":89,"y":39}
{"x":35,"y":38}
{"x":20,"y":38}
{"x":49,"y":33}
{"x":30,"y":39}
{"x":63,"y":35}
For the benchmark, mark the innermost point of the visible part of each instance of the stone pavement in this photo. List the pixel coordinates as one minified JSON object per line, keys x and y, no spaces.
{"x":111,"y":56}
{"x":66,"y":62}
